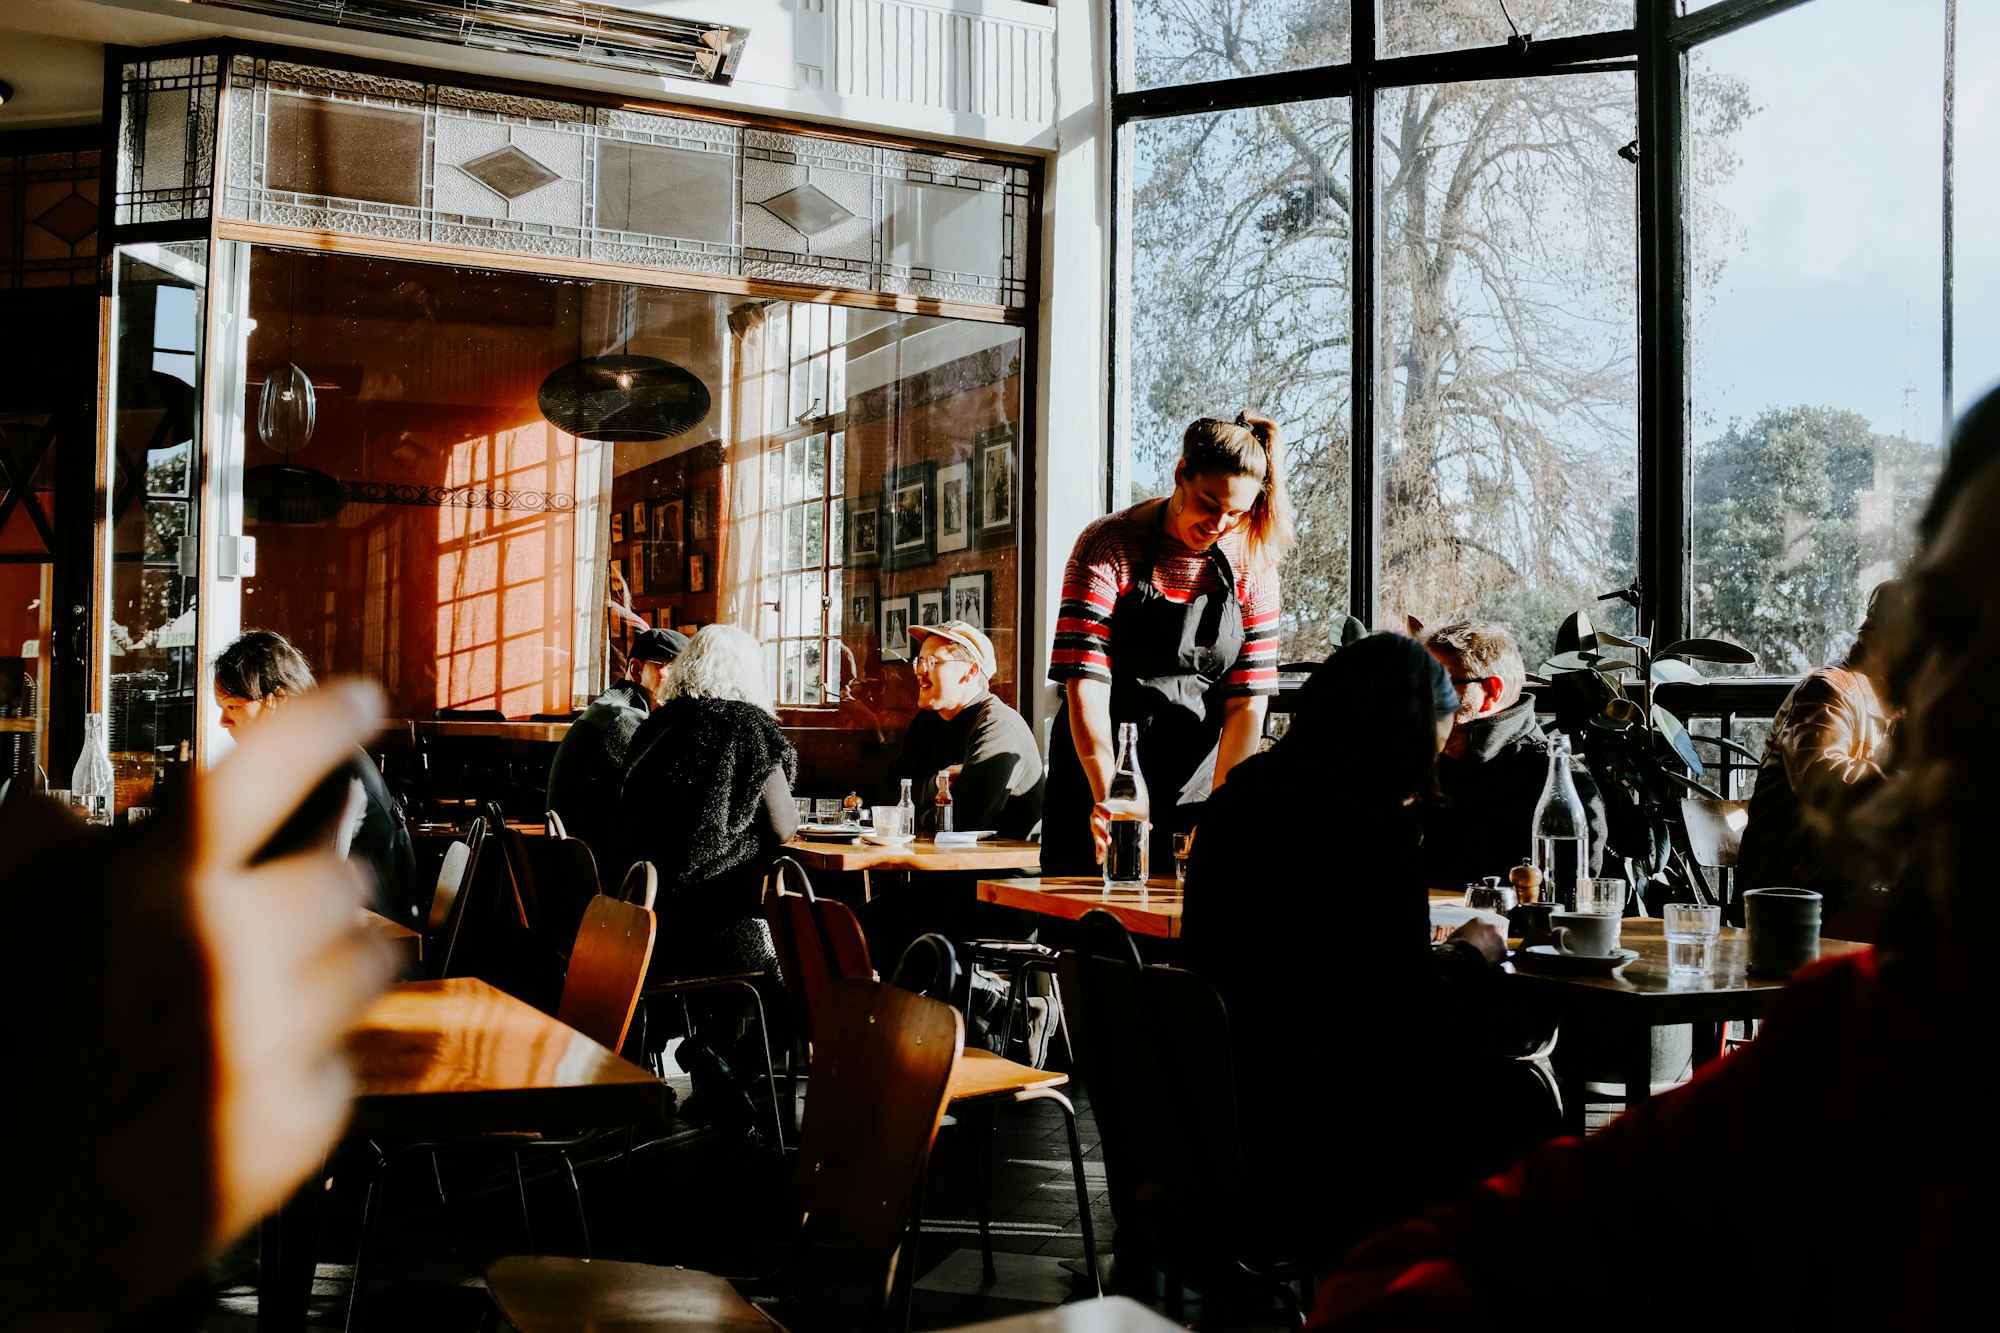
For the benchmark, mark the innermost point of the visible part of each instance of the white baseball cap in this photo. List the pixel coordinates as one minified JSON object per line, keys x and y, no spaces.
{"x":966,"y":637}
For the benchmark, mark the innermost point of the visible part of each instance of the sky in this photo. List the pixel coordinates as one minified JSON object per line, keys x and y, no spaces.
{"x":1833,"y":295}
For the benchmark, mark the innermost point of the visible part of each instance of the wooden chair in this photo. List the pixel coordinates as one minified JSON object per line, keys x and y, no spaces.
{"x":1714,"y":833}
{"x":450,"y":900}
{"x":600,"y":991}
{"x":1153,"y":1048}
{"x":827,"y":942}
{"x":881,"y":1073}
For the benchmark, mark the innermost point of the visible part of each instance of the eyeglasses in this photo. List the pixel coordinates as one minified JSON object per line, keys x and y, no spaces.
{"x":927,"y":665}
{"x":1463,"y":681}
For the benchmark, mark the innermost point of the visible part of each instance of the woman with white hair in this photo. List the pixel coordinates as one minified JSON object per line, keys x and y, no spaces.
{"x":708,"y":800}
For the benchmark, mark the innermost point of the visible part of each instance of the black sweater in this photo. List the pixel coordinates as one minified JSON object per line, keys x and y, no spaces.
{"x":1001,"y":787}
{"x":1484,"y":823}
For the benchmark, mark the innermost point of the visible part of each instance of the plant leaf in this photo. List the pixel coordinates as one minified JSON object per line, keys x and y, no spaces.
{"x":1612,"y":666}
{"x":1576,"y":635}
{"x":1571,"y":661}
{"x":1606,"y":639}
{"x":1710,"y":650}
{"x":1674,"y":734}
{"x":1728,"y":746}
{"x":1673,"y":669}
{"x":1692,"y":785}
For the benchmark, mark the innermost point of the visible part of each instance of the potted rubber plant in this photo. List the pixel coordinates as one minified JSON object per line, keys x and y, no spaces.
{"x":1601,"y":687}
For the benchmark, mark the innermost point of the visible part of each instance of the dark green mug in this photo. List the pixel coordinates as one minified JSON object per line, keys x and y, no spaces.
{"x":1784,"y":930}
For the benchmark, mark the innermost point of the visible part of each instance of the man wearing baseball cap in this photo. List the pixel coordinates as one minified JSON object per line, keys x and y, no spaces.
{"x":960,"y":724}
{"x":589,"y":765}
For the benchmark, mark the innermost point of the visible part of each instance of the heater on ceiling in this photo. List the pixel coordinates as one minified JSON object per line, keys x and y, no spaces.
{"x":585,"y":34}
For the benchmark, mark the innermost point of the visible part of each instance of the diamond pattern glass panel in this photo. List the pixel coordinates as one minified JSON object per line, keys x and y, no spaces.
{"x":492,"y":171}
{"x":509,"y":172}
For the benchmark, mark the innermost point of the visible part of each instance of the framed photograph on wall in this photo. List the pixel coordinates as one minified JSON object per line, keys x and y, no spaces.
{"x":638,"y":519}
{"x":995,"y":487}
{"x":909,"y":516}
{"x":860,"y":609}
{"x":895,"y":629}
{"x":667,"y":521}
{"x":954,"y":514}
{"x":969,"y":597}
{"x":618,"y":526}
{"x":930,"y":607}
{"x":635,"y":578}
{"x":864,"y":531}
{"x":697,"y":573}
{"x":697,"y":515}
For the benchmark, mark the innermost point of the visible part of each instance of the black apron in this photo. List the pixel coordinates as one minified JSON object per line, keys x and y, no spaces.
{"x":1165,"y":657}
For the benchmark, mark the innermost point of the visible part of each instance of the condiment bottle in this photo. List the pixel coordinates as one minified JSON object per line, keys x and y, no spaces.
{"x":942,"y":802}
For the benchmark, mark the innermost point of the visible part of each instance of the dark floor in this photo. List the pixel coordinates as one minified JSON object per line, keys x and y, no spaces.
{"x":700,"y":1200}
{"x":697,"y":1199}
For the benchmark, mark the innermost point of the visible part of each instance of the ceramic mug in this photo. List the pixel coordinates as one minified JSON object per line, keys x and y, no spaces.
{"x":1784,"y":930}
{"x":1587,"y":934}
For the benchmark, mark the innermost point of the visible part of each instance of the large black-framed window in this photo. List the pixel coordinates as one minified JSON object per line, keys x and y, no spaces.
{"x":1522,"y":285}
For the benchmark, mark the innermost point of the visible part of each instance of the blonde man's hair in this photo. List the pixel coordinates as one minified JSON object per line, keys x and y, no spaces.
{"x":720,"y":662}
{"x":1488,"y":649}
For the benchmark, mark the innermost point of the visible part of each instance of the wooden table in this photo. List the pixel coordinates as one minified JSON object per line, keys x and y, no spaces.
{"x":1644,"y":994}
{"x":988,"y":854}
{"x":408,"y":944}
{"x":1156,"y":911}
{"x":549,"y":732}
{"x":450,"y":1058}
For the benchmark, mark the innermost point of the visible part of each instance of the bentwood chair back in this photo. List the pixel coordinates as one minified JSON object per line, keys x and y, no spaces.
{"x":788,"y":912}
{"x":607,"y":966}
{"x":452,"y":899}
{"x":880,"y":1078}
{"x":641,"y":886}
{"x":833,"y":947}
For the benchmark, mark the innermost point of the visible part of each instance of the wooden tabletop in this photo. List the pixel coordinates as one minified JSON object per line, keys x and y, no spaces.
{"x":506,"y":731}
{"x":1647,"y":990}
{"x":408,"y":944}
{"x":463,"y":1057}
{"x":1156,"y":911}
{"x":989,"y":854}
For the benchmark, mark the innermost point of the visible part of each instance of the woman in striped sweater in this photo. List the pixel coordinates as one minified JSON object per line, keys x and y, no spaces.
{"x":1169,"y":620}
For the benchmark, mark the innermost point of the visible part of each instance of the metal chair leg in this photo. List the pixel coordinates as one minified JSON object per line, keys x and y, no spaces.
{"x":371,"y":1204}
{"x":576,"y":1192}
{"x":521,"y":1187}
{"x":1082,"y":1195}
{"x":974,"y":1146}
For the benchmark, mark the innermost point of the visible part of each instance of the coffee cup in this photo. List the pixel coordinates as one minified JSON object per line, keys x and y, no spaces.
{"x":1531,"y":922}
{"x":1586,"y":934}
{"x":1784,"y":930}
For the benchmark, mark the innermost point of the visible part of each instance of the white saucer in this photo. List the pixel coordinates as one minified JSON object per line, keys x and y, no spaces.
{"x":878,"y":840}
{"x":1547,"y":958}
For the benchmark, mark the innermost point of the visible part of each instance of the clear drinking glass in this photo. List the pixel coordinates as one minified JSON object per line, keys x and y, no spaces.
{"x":1183,"y":845}
{"x":1601,"y":897}
{"x":1691,"y":933}
{"x":889,"y":821}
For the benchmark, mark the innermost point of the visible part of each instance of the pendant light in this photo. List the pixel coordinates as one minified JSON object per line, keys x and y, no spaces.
{"x":287,"y":410}
{"x":622,"y":397}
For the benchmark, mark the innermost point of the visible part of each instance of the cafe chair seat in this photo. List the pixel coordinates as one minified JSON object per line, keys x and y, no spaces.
{"x":983,"y":1074}
{"x":544,"y":1294}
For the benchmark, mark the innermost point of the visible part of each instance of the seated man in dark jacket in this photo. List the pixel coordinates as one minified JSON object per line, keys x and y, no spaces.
{"x":589,"y":766}
{"x":1494,"y":766}
{"x":959,"y":724}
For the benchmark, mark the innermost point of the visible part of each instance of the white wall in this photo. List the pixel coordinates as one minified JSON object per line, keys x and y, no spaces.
{"x":1074,"y":387}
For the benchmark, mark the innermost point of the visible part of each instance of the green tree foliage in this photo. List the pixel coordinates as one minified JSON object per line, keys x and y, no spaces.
{"x":1795,"y":516}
